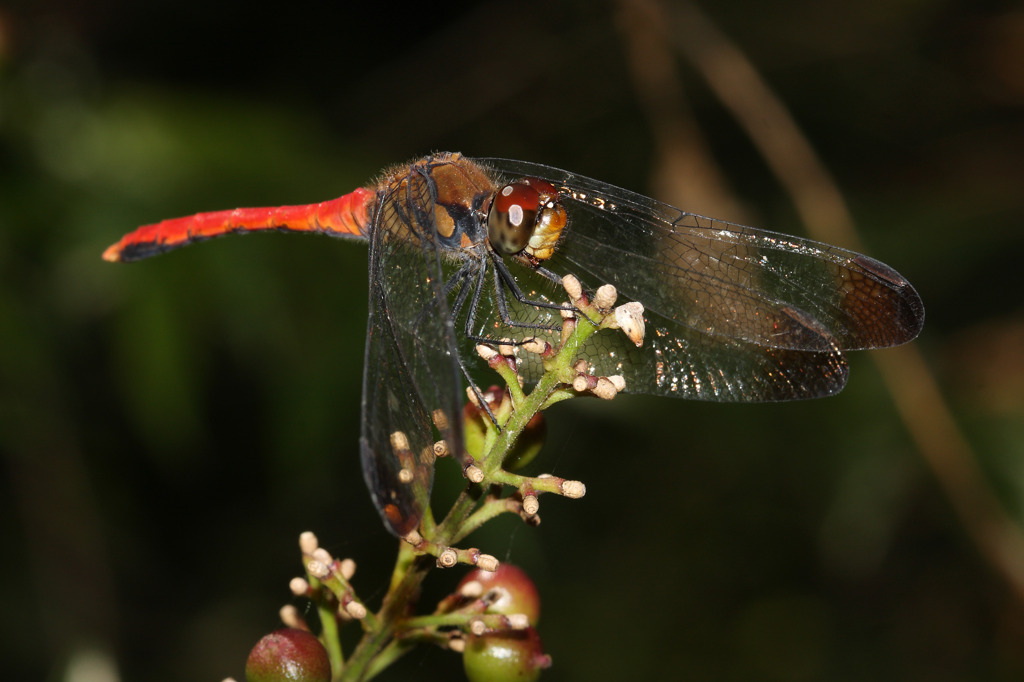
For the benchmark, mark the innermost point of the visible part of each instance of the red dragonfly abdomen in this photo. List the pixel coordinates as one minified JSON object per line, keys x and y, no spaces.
{"x":346,"y":216}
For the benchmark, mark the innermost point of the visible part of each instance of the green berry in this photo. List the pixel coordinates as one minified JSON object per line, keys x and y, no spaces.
{"x":505,"y":656}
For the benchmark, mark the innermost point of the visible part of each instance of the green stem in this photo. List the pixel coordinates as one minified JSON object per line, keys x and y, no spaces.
{"x":405,"y":583}
{"x":331,"y":640}
{"x":380,"y":646}
{"x":394,"y":650}
{"x":484,"y":513}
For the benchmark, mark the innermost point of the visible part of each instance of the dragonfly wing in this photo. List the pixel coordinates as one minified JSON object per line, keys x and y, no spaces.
{"x":411,"y":377}
{"x":679,"y":362}
{"x":675,"y":360}
{"x":726,"y":280}
{"x":394,"y":434}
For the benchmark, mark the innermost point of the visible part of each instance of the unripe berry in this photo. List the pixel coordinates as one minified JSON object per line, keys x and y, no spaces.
{"x":505,"y":656}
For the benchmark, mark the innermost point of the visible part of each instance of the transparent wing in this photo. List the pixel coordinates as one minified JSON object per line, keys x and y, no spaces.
{"x":411,"y":377}
{"x":728,"y":280}
{"x":675,"y":360}
{"x":733,"y":313}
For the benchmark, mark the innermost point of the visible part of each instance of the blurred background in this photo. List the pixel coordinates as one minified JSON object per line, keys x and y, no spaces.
{"x":167,"y":429}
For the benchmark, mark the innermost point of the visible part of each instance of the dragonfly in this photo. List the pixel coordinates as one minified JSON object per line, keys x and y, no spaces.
{"x":465,"y":251}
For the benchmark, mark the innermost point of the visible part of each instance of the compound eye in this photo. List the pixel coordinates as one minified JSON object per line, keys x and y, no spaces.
{"x":513,"y":217}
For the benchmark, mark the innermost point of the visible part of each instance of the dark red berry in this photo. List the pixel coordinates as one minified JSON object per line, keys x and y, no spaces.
{"x":288,"y":655}
{"x":508,"y":590}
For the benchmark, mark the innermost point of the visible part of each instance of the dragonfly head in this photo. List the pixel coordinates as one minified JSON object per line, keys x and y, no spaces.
{"x":526,"y":215}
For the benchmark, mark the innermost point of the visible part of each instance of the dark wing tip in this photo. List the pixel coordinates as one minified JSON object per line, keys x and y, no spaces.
{"x":896,"y":305}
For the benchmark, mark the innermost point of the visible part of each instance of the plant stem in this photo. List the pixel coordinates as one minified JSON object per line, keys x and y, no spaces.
{"x":410,"y":570}
{"x":383,"y":644}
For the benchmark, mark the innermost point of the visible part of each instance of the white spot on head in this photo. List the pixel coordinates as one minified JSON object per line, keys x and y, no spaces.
{"x":515,"y":214}
{"x":506,"y":190}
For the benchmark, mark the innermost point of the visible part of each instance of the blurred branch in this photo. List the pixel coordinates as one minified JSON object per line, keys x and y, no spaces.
{"x":686,"y":173}
{"x":651,"y":36}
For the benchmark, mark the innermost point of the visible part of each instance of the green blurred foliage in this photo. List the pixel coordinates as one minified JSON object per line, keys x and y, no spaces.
{"x":168,"y":428}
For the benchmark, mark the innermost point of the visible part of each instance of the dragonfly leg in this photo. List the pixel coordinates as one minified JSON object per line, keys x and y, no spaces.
{"x":454,"y":282}
{"x":503,"y":280}
{"x":507,"y":280}
{"x":458,"y":280}
{"x":481,"y":276}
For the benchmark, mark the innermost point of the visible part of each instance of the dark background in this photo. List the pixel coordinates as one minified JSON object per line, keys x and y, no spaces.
{"x":167,"y":429}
